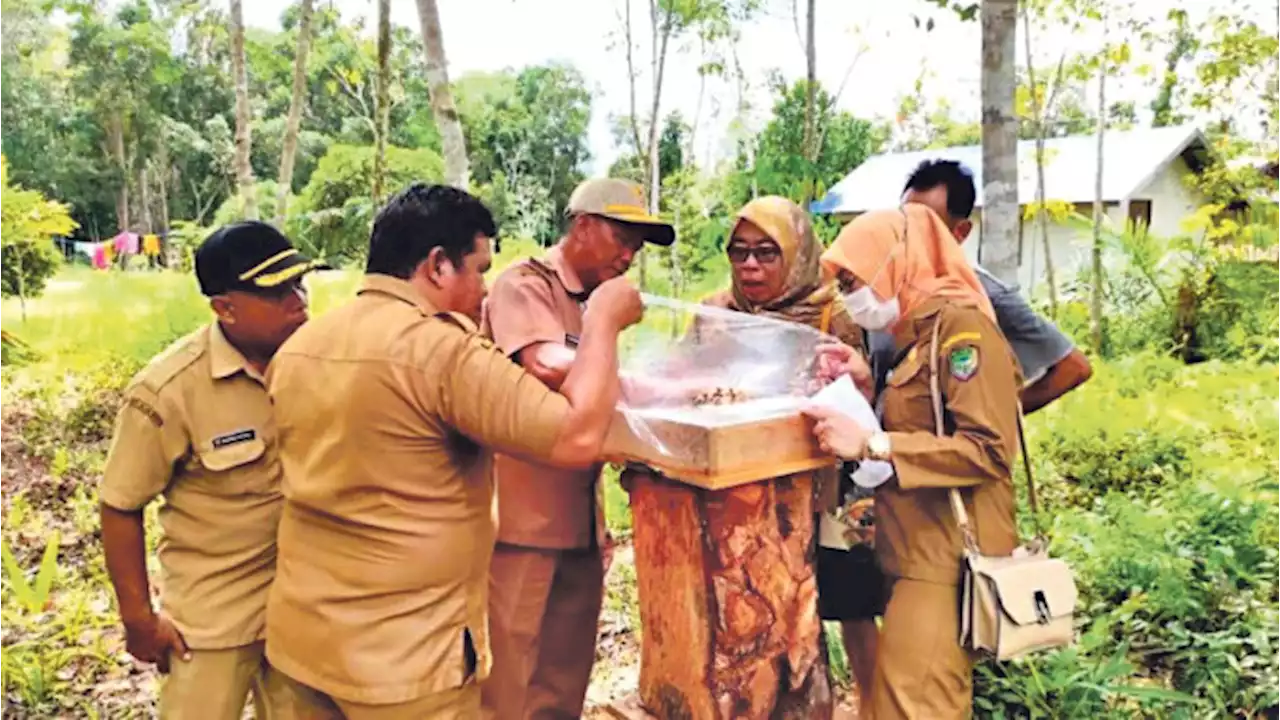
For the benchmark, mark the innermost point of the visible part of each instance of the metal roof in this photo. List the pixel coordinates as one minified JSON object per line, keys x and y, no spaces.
{"x":1130,"y":160}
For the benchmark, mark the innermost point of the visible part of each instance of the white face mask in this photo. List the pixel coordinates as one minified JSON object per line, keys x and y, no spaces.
{"x":871,"y":312}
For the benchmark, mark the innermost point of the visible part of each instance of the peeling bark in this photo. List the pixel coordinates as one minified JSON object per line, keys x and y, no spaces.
{"x":728,"y":600}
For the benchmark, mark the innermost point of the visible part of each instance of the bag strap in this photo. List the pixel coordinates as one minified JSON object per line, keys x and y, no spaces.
{"x":825,"y":323}
{"x":957,"y":503}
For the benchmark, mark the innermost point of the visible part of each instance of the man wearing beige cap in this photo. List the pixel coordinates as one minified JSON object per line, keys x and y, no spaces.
{"x":546,"y":581}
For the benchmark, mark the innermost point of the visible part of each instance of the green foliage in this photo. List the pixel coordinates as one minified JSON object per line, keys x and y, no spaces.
{"x":782,"y":167}
{"x":527,"y":138}
{"x":28,"y":224}
{"x":34,"y":596}
{"x":332,"y":216}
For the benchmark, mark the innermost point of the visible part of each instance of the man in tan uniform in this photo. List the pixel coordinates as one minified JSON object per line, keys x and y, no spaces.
{"x":196,"y":427}
{"x":546,"y":583}
{"x":388,"y":410}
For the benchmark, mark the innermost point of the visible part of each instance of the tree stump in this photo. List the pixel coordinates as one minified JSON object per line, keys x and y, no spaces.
{"x":728,"y":599}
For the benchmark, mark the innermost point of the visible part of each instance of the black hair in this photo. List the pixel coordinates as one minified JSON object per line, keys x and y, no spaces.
{"x":961,"y":194}
{"x":423,"y":217}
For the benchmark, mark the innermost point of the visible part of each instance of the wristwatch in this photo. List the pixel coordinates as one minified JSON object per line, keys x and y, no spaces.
{"x":878,"y":446}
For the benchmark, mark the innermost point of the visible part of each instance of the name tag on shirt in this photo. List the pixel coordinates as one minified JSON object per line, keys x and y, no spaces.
{"x":233,"y":438}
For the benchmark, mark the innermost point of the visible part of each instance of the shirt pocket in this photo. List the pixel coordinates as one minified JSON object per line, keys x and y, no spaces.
{"x":906,"y":404}
{"x":236,"y":468}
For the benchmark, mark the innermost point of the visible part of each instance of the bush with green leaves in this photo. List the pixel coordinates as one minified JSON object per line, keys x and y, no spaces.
{"x":1159,"y":489}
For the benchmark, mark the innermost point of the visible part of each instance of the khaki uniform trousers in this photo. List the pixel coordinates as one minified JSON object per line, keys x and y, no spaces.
{"x":921,"y":672}
{"x":214,"y":685}
{"x":544,"y":612}
{"x":306,"y":703}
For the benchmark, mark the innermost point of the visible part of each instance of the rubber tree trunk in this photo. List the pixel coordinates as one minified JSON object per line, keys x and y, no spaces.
{"x":382,"y":106}
{"x":290,"y":150}
{"x":244,"y":144}
{"x":999,"y":249}
{"x":728,"y":600}
{"x":456,"y":169}
{"x":1095,"y":305}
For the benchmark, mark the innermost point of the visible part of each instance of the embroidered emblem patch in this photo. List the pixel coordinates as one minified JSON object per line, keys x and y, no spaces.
{"x":232,"y":438}
{"x":964,"y":362}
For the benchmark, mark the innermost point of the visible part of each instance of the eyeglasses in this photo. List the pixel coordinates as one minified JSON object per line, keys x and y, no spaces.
{"x":764,"y":254}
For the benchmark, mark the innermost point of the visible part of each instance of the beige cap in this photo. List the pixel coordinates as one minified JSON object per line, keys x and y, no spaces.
{"x":620,"y":200}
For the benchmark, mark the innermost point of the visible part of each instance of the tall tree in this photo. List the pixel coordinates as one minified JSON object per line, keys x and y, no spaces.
{"x":296,"y":101}
{"x":1095,"y":304}
{"x":383,"y":104}
{"x":1041,"y":98}
{"x":811,"y":93}
{"x":1000,"y":209}
{"x":456,"y":170}
{"x":244,"y":171}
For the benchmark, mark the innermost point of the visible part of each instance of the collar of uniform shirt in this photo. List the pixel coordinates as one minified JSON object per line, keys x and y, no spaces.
{"x":568,"y":278}
{"x":224,"y":359}
{"x":396,"y":288}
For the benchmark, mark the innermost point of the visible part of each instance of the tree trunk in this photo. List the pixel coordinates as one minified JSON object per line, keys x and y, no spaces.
{"x":244,"y":171}
{"x":162,"y":184}
{"x":728,"y":600}
{"x":456,"y":171}
{"x":999,"y":249}
{"x":290,"y":149}
{"x":144,"y":188}
{"x":115,"y":133}
{"x":661,"y":34}
{"x":810,"y":101}
{"x":382,"y":105}
{"x":1039,"y":112}
{"x":1095,"y":307}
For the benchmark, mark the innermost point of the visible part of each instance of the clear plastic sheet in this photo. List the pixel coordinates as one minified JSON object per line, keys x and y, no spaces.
{"x":694,"y":366}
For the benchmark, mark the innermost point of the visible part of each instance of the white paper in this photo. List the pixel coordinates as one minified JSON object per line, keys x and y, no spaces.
{"x":844,"y":397}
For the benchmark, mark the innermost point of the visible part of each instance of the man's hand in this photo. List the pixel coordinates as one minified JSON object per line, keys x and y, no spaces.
{"x":618,"y":301}
{"x":837,"y":433}
{"x":836,"y":359}
{"x":155,"y":640}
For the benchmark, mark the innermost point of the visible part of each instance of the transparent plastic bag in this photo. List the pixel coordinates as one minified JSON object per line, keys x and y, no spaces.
{"x":695,"y":365}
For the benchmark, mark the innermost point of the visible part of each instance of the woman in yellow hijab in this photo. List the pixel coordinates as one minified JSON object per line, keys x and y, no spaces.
{"x":905,"y":273}
{"x":775,"y":259}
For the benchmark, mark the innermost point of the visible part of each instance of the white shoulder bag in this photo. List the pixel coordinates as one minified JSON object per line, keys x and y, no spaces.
{"x":1009,"y":605}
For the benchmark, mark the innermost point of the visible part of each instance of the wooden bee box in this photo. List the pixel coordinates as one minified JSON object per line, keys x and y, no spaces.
{"x":718,"y":447}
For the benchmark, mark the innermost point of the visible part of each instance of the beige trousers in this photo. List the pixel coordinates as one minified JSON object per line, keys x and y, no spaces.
{"x":544,"y":611}
{"x":214,"y":685}
{"x":921,"y":671}
{"x":306,"y":703}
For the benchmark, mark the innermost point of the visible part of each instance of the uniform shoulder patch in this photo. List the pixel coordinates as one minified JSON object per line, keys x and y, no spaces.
{"x":964,"y":362}
{"x":146,"y":409}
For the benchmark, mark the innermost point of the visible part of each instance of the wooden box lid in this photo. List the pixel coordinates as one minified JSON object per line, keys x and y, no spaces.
{"x":720,"y":447}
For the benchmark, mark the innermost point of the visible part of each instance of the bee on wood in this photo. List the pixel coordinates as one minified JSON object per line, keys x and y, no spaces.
{"x":719,"y":396}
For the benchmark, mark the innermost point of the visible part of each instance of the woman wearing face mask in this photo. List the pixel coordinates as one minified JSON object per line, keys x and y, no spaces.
{"x":908,"y":276}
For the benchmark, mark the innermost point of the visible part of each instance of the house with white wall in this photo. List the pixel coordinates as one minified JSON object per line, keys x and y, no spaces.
{"x":1144,"y":178}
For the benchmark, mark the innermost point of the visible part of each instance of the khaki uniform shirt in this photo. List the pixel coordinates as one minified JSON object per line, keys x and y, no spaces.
{"x":387,"y":410}
{"x":540,"y":506}
{"x":916,"y":532}
{"x":196,"y":427}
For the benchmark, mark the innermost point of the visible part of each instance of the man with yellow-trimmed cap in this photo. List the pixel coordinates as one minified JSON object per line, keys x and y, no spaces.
{"x":196,"y":427}
{"x":546,"y":581}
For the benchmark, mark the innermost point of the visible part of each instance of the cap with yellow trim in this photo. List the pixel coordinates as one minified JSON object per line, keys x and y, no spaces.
{"x":620,"y":200}
{"x":249,"y":256}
